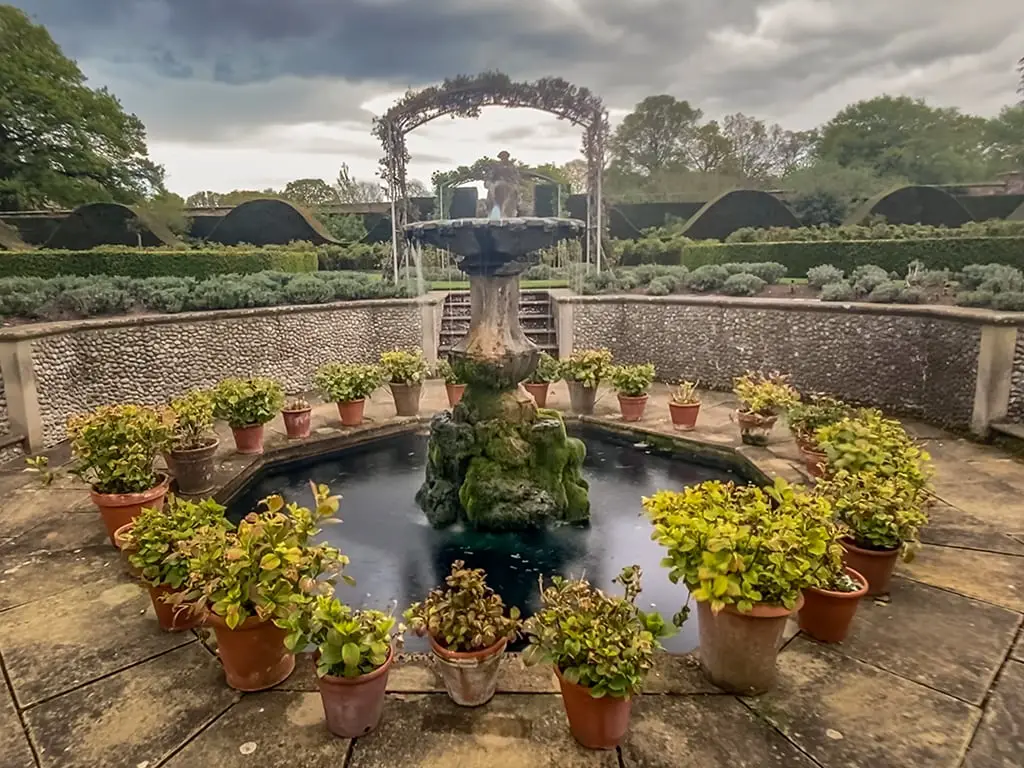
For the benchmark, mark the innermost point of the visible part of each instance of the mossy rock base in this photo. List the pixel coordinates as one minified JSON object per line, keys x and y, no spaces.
{"x":496,"y":462}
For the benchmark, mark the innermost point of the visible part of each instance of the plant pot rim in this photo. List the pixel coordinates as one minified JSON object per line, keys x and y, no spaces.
{"x":856,"y":576}
{"x":644,"y":396}
{"x":346,"y":402}
{"x":851,"y":544}
{"x":765,"y":610}
{"x":297,"y":410}
{"x":121,"y":531}
{"x":754,"y":416}
{"x":250,"y":426}
{"x":132,"y":499}
{"x":251,"y":622}
{"x":406,"y":383}
{"x":563,"y":681}
{"x":343,"y":681}
{"x":212,"y":442}
{"x":582,"y":383}
{"x":537,"y":383}
{"x":483,"y":653}
{"x":674,"y":404}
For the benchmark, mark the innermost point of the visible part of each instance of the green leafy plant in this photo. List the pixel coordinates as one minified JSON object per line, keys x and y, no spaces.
{"x":601,"y":642}
{"x":547,"y":370}
{"x":742,"y":544}
{"x":402,"y":366}
{"x":345,"y":382}
{"x":446,"y":372}
{"x":296,"y":404}
{"x":467,"y":616}
{"x":245,"y":402}
{"x":807,"y":417}
{"x":193,"y":419}
{"x":685,"y":393}
{"x":348,"y":642}
{"x":40,"y":465}
{"x":114,"y":447}
{"x":632,"y":380}
{"x":588,"y":367}
{"x":764,"y":394}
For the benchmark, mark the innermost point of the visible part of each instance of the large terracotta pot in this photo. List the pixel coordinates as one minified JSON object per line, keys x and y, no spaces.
{"x":539,"y":392}
{"x":407,"y":398}
{"x":754,"y":427}
{"x":684,"y":415}
{"x":581,"y":398}
{"x":875,"y":565}
{"x":353,"y":705}
{"x":471,"y":678}
{"x":253,"y":654}
{"x":594,"y":723}
{"x":119,"y":509}
{"x":632,"y":407}
{"x":119,"y":542}
{"x":172,"y":618}
{"x":193,"y":470}
{"x":738,"y":650}
{"x":351,"y":412}
{"x":827,"y":615}
{"x":815,"y":461}
{"x":454,"y":392}
{"x":297,"y":424}
{"x":248,"y":440}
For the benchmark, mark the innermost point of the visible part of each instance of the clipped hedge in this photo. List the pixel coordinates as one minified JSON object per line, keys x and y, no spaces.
{"x":134,"y":262}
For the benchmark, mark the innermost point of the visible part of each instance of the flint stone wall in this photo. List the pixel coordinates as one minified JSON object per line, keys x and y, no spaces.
{"x":905,"y":359}
{"x":1015,"y":412}
{"x":11,"y":452}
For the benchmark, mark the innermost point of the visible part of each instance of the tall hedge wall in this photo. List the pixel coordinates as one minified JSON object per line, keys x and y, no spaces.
{"x":152,"y":262}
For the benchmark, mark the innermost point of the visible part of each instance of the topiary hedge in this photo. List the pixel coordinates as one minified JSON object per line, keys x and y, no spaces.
{"x":914,"y":204}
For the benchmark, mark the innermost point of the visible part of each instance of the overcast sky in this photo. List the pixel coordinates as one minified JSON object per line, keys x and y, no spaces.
{"x":253,"y":93}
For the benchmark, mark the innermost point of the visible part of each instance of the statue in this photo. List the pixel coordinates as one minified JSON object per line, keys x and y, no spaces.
{"x":503,"y":189}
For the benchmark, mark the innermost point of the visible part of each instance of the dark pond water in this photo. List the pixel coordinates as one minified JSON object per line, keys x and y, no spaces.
{"x":396,"y":555}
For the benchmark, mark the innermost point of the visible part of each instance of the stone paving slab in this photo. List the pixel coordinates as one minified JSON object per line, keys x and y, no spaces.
{"x":990,"y":502}
{"x":987,"y":576}
{"x":14,"y":748}
{"x":1018,"y":650}
{"x":63,"y":532}
{"x":28,"y":577}
{"x":25,"y":508}
{"x":137,"y":717}
{"x":704,"y":732}
{"x":999,"y":742}
{"x":843,"y":712}
{"x":966,"y":640}
{"x":282,"y":730}
{"x":950,"y":526}
{"x":429,"y":731}
{"x":78,"y":635}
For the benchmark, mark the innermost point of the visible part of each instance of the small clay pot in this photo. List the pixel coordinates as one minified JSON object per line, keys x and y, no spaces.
{"x":172,"y":618}
{"x":253,"y":653}
{"x":351,"y":412}
{"x":297,"y":423}
{"x":353,"y":705}
{"x":875,"y":565}
{"x":407,"y":398}
{"x":738,"y":650}
{"x":539,"y":392}
{"x":815,"y":461}
{"x":594,"y":723}
{"x":193,"y":470}
{"x":632,"y":407}
{"x":248,"y":440}
{"x":684,"y":415}
{"x":581,"y":398}
{"x":754,"y":427}
{"x":471,"y":677}
{"x":119,"y":509}
{"x":827,"y":615}
{"x":455,"y":393}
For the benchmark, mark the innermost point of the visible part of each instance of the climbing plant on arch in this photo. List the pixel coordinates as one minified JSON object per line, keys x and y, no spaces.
{"x":465,"y":96}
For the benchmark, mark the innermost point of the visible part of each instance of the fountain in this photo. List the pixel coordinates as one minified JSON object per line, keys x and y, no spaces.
{"x":496,"y":461}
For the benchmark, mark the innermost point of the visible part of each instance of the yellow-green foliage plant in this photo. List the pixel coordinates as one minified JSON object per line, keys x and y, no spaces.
{"x":764,"y":394}
{"x":403,"y":366}
{"x":632,"y":380}
{"x":587,"y":366}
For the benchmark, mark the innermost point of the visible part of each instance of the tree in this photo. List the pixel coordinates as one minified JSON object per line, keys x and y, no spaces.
{"x":709,"y":149}
{"x":310,"y":192}
{"x":205,"y":199}
{"x":575,"y":174}
{"x":1005,"y":139}
{"x":61,"y":142}
{"x":761,"y":151}
{"x":168,"y":209}
{"x":351,"y":190}
{"x":655,"y":136}
{"x":417,"y":188}
{"x":824,"y":193}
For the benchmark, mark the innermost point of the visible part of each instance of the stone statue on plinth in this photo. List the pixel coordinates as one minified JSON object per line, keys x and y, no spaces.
{"x":503,"y":189}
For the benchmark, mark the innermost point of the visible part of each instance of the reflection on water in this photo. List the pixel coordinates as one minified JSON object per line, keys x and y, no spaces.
{"x":396,"y":555}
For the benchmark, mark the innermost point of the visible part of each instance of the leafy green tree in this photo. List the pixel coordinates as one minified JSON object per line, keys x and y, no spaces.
{"x":1005,"y":139}
{"x":352,"y":190}
{"x":169,"y":209}
{"x":825,"y":192}
{"x":205,"y":199}
{"x":310,"y":192}
{"x":655,"y":136}
{"x":61,"y":142}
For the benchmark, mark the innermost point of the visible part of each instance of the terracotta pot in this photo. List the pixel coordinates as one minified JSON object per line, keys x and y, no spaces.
{"x":815,"y":461}
{"x":353,"y":705}
{"x":248,"y":440}
{"x":471,"y":678}
{"x":684,"y":415}
{"x":594,"y":723}
{"x":172,"y":618}
{"x":455,"y":393}
{"x":169,"y":462}
{"x":297,"y":423}
{"x":738,"y":650}
{"x":755,"y":428}
{"x":407,"y":398}
{"x":119,"y":534}
{"x":875,"y":565}
{"x":119,"y":509}
{"x":632,"y":407}
{"x":193,"y":470}
{"x":351,"y":412}
{"x":581,"y":399}
{"x":539,"y":392}
{"x":827,"y":615}
{"x":253,"y":654}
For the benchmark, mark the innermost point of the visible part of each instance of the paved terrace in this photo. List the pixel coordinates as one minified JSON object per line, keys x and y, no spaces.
{"x":932,"y":678}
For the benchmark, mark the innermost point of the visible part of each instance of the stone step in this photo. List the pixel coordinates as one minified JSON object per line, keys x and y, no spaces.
{"x":1009,"y":429}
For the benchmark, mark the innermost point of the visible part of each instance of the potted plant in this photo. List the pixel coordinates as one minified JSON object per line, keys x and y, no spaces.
{"x":468,"y":631}
{"x":193,"y":445}
{"x":805,"y":419}
{"x":601,"y":647}
{"x":114,"y":449}
{"x":452,"y":386}
{"x":746,"y":554}
{"x":684,"y":405}
{"x":831,"y":603}
{"x":762,"y":397}
{"x":353,"y":656}
{"x":243,"y":579}
{"x":405,"y":371}
{"x":348,"y":385}
{"x":631,"y":383}
{"x":150,"y":544}
{"x":247,"y":405}
{"x":583,"y":372}
{"x":298,"y":418}
{"x":543,"y":376}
